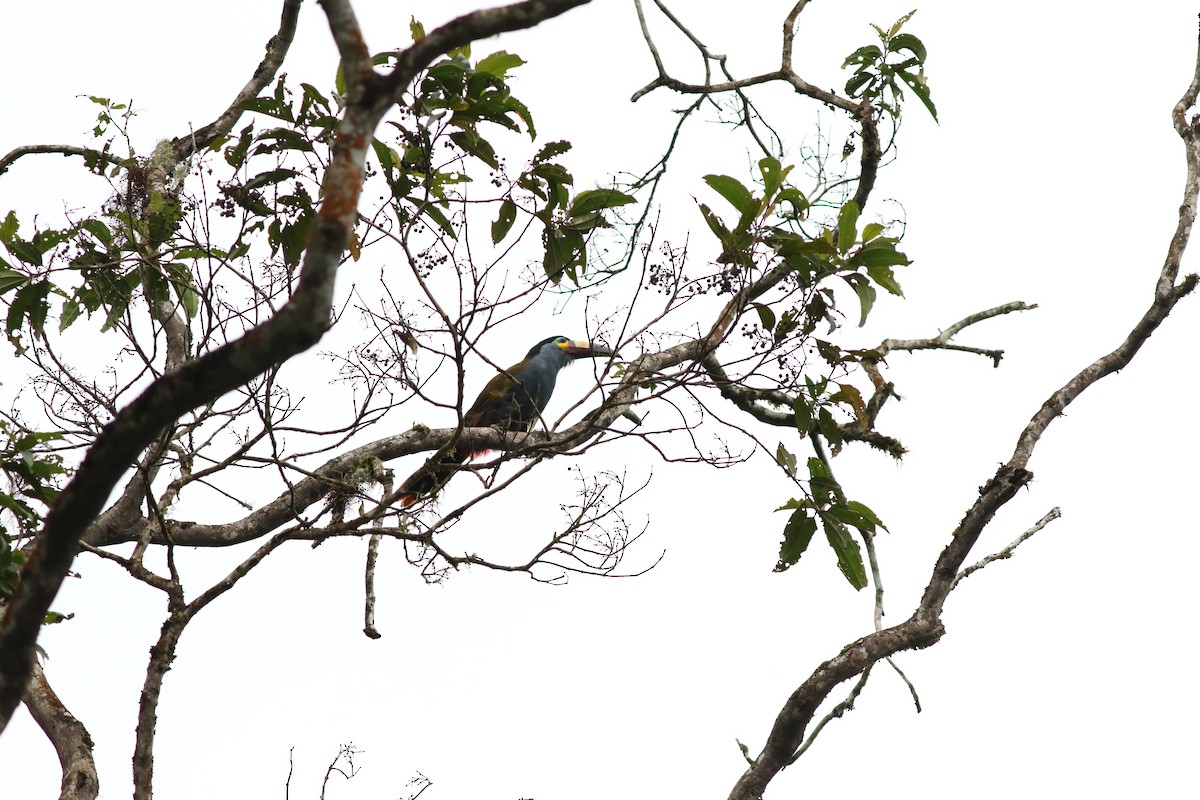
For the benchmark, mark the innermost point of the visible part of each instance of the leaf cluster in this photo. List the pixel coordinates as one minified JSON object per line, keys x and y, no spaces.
{"x":766,"y":236}
{"x":883,"y":71}
{"x":30,"y":480}
{"x":101,"y":266}
{"x":828,"y":506}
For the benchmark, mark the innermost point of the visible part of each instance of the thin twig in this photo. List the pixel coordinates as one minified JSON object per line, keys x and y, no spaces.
{"x":1007,"y":552}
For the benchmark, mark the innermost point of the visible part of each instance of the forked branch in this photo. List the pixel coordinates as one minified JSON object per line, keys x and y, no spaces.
{"x":924,"y":627}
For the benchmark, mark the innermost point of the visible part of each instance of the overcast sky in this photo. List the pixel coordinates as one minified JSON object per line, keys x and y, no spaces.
{"x":1053,"y":178}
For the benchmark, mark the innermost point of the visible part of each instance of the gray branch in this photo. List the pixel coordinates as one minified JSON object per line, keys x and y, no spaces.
{"x":924,"y":627}
{"x":297,"y":326}
{"x":70,"y":739}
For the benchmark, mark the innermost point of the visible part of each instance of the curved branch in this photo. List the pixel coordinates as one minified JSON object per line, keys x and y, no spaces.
{"x":277,"y":47}
{"x":95,"y":159}
{"x":297,"y":326}
{"x":465,"y":29}
{"x":924,"y":627}
{"x":70,"y":739}
{"x":864,"y":113}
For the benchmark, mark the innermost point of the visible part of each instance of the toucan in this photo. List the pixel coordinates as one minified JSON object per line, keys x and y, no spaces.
{"x":512,"y":401}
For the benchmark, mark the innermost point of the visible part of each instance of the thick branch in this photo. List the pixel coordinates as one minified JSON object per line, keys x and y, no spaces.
{"x":70,"y":739}
{"x":298,"y":325}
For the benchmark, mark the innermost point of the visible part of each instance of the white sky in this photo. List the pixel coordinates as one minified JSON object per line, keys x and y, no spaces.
{"x":1053,"y":178}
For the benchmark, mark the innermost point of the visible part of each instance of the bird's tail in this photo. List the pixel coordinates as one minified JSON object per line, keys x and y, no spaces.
{"x":431,"y":477}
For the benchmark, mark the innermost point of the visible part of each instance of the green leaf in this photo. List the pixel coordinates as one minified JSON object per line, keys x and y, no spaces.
{"x":251,"y":201}
{"x":879,"y":253}
{"x":847,"y":226}
{"x":98,"y":229}
{"x":906,"y":41}
{"x":824,"y":488}
{"x":235,"y":156}
{"x":797,"y":534}
{"x":10,"y":280}
{"x":854,"y":88}
{"x":766,"y":316}
{"x":864,"y":56}
{"x":717,"y":227}
{"x":556,"y":258}
{"x":786,"y":460}
{"x":866,"y":295}
{"x":277,"y":139}
{"x":504,"y":221}
{"x":882,"y":275}
{"x":435,"y":214}
{"x":185,"y":288}
{"x":551,"y":150}
{"x":898,"y":24}
{"x":598,"y":200}
{"x":732,"y":190}
{"x":416,"y":29}
{"x":499,"y":63}
{"x":872,"y":230}
{"x":339,"y":80}
{"x":848,"y":394}
{"x":25,"y":251}
{"x":553,"y":173}
{"x":772,"y":175}
{"x":921,"y":89}
{"x":849,"y":555}
{"x":269,"y":106}
{"x":829,"y":428}
{"x":796,"y":198}
{"x":313,"y":96}
{"x":521,"y":110}
{"x":787,"y":324}
{"x":388,"y":158}
{"x":866,"y":514}
{"x":474,"y":144}
{"x":268,"y":178}
{"x":9,"y":228}
{"x":70,"y":313}
{"x":29,"y":303}
{"x":804,"y":414}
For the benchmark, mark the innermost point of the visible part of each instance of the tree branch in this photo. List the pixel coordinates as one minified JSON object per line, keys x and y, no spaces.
{"x":297,"y":326}
{"x":468,"y":28}
{"x":95,"y":159}
{"x":924,"y":627}
{"x":70,"y":739}
{"x":1007,"y":552}
{"x":277,"y":47}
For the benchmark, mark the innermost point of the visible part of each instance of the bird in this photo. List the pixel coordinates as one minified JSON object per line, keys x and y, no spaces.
{"x":512,"y":401}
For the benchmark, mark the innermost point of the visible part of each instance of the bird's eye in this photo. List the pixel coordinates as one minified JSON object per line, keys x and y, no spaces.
{"x":561,"y":340}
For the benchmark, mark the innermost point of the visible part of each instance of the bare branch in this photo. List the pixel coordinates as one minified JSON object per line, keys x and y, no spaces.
{"x":277,"y":48}
{"x":1007,"y":552}
{"x":468,"y":28}
{"x":96,"y":159}
{"x":942,"y":340}
{"x":70,"y":739}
